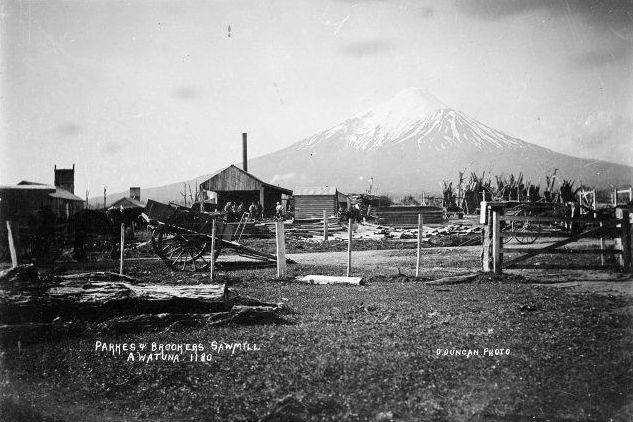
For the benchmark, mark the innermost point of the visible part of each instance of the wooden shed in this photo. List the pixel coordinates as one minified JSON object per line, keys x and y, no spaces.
{"x":235,"y":185}
{"x":310,"y":202}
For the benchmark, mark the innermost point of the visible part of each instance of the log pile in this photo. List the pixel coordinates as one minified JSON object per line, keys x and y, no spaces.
{"x":311,"y":228}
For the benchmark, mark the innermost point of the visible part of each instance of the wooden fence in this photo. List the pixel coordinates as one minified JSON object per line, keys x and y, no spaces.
{"x":498,"y":226}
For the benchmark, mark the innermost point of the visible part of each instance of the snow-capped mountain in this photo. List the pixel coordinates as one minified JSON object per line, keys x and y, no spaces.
{"x":412,"y":143}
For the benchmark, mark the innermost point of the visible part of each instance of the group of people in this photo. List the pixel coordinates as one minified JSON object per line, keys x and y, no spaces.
{"x":235,"y":211}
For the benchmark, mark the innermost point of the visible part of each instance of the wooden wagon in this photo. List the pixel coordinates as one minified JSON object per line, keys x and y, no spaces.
{"x":182,"y":237}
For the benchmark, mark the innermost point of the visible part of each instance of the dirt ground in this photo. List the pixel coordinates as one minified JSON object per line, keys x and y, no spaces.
{"x":464,"y":259}
{"x":435,"y":263}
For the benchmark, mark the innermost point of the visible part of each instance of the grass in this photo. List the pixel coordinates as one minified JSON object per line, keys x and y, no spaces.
{"x":350,"y":353}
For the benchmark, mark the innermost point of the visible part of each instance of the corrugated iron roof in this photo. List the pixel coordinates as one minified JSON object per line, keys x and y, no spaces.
{"x":64,"y":194}
{"x":325,"y":190}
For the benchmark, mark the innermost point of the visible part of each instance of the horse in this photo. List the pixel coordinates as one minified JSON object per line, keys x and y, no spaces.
{"x":101,"y":223}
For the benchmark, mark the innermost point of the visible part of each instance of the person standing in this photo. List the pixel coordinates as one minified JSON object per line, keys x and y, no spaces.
{"x":279,"y":210}
{"x":252,"y":211}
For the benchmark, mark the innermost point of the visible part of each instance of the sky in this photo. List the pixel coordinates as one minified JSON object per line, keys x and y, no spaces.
{"x":148,"y":93}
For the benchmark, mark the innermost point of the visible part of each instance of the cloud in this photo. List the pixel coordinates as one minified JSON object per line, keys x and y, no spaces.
{"x":604,"y":128}
{"x":111,"y":147}
{"x":603,"y":135}
{"x":185,"y":93}
{"x":68,"y":129}
{"x":603,"y":13}
{"x":369,"y":48}
{"x":615,"y":54}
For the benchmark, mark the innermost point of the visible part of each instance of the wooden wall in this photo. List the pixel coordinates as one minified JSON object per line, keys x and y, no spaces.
{"x":232,"y":179}
{"x":312,"y":206}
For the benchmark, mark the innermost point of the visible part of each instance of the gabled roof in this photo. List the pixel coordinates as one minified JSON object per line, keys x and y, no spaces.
{"x":257,"y":180}
{"x":64,"y":194}
{"x":29,"y":183}
{"x":324,"y":190}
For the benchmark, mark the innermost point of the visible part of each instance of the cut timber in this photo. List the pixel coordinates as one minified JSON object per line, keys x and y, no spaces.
{"x":328,"y":279}
{"x":456,"y":279}
{"x":99,"y":301}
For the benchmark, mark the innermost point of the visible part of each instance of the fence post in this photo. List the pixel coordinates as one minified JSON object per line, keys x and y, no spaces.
{"x":349,"y":248}
{"x":325,"y":223}
{"x":122,"y":246}
{"x":497,"y":240}
{"x":486,"y":220}
{"x":212,"y":265}
{"x":13,"y":233}
{"x":417,"y":265}
{"x":625,"y":239}
{"x":281,"y":249}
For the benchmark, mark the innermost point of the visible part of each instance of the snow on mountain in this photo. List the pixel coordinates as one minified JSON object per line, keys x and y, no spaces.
{"x":370,"y":129}
{"x":414,"y":115}
{"x":414,"y":141}
{"x":447,"y":128}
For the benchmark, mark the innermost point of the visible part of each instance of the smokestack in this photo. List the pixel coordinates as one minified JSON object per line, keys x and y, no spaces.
{"x":244,"y":153}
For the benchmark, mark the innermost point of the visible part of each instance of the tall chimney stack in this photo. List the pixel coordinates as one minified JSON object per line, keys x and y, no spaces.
{"x":244,"y":153}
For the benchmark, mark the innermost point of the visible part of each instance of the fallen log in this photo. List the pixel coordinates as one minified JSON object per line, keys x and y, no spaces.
{"x":456,"y":279}
{"x":99,"y":301}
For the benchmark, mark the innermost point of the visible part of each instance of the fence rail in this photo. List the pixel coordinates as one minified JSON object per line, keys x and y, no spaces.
{"x":494,"y":218}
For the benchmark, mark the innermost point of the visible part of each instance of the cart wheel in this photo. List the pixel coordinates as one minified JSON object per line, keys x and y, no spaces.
{"x":525,"y":230}
{"x":183,"y":244}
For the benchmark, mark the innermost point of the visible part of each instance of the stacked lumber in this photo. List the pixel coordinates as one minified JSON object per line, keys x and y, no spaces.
{"x":407,"y":215}
{"x":369,"y":231}
{"x":314,"y":227}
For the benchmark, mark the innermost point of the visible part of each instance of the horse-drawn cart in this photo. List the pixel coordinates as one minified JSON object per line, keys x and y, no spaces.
{"x":181,"y":237}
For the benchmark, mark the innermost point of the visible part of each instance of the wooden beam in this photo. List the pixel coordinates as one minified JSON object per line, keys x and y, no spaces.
{"x":534,"y":252}
{"x":281,"y":249}
{"x":497,"y":241}
{"x":13,"y":233}
{"x":625,"y":239}
{"x":349,"y":247}
{"x":122,"y":247}
{"x":546,"y":219}
{"x":535,"y":234}
{"x":562,"y":251}
{"x":417,"y":262}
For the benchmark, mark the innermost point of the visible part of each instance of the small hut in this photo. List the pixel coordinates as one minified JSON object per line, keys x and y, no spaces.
{"x":311,"y":201}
